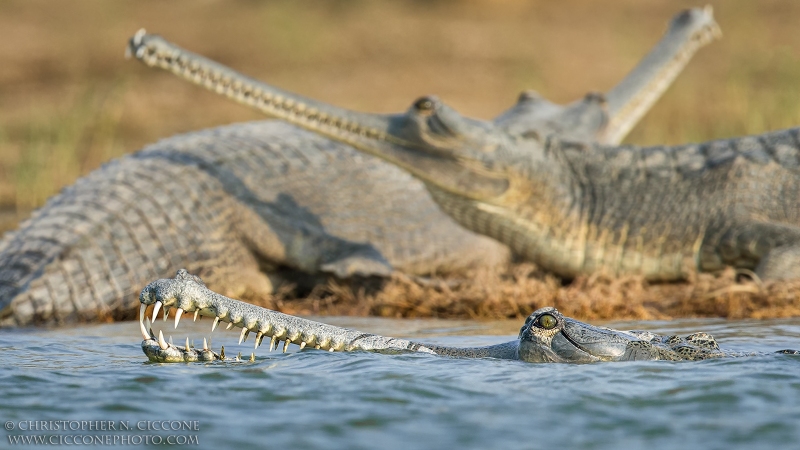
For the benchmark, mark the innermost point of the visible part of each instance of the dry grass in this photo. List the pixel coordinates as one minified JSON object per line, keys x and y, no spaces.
{"x":69,"y":102}
{"x":521,"y":289}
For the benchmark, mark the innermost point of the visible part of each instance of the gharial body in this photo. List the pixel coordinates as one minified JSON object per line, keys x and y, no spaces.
{"x":573,"y":208}
{"x":546,"y":336}
{"x":243,"y":204}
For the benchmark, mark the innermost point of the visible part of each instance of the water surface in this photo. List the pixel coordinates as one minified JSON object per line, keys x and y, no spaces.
{"x":316,"y":399}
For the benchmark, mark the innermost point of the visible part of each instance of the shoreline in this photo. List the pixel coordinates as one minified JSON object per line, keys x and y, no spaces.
{"x":521,"y":289}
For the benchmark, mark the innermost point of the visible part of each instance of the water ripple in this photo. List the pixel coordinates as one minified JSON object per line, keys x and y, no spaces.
{"x":316,"y":399}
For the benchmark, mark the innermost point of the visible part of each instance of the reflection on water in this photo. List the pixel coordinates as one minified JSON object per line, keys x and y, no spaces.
{"x":315,"y":399}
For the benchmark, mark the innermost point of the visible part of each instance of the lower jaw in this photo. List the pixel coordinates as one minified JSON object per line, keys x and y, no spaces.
{"x":155,"y":352}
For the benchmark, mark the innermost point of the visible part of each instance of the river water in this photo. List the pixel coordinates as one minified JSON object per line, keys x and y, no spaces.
{"x":316,"y":399}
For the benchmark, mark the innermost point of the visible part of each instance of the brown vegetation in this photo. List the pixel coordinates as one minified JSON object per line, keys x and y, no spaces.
{"x":521,"y":289}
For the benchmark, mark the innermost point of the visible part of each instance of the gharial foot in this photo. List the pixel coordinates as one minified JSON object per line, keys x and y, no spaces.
{"x":358,"y":265}
{"x":781,"y":263}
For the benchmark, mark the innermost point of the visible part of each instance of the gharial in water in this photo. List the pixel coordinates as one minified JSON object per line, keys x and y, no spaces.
{"x":546,"y":336}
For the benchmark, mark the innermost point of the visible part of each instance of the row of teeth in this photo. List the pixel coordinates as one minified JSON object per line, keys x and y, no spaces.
{"x":276,"y":335}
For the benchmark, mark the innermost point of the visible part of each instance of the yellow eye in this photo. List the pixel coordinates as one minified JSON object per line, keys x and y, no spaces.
{"x":547,"y":321}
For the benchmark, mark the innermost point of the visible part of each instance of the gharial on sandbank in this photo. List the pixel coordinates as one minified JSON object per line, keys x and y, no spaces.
{"x":253,"y":206}
{"x":574,"y":208}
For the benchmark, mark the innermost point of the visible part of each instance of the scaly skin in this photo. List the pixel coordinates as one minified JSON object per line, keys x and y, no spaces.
{"x":250,"y":205}
{"x":573,"y":208}
{"x":546,"y":336}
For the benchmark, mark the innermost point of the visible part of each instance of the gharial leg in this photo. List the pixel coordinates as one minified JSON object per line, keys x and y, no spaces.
{"x":260,"y":231}
{"x":781,"y":263}
{"x":283,"y":240}
{"x":239,"y":275}
{"x":772,"y":250}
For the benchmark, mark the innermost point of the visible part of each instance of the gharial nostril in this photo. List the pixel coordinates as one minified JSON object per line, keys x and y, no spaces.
{"x":529,"y":95}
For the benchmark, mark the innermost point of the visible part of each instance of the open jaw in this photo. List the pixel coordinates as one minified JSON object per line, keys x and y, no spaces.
{"x":187,"y":294}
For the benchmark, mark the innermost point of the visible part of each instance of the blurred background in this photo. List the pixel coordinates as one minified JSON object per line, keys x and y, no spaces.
{"x":69,"y":101}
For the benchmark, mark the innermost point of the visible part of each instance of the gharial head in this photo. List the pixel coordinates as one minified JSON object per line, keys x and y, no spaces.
{"x":472,"y":158}
{"x":548,"y":336}
{"x":475,"y":159}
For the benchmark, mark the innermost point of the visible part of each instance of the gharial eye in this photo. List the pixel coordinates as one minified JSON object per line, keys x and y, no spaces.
{"x":424,"y":104}
{"x":547,"y":321}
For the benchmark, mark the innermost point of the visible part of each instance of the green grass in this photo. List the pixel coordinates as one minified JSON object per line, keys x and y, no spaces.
{"x":58,"y":145}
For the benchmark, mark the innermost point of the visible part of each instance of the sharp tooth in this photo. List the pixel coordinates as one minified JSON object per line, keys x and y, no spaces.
{"x":230,"y":324}
{"x":166,"y":313}
{"x":222,"y":353}
{"x":187,"y":343}
{"x":243,"y":336}
{"x":170,"y":340}
{"x":259,"y":336}
{"x":239,"y":356}
{"x":156,"y":307}
{"x":214,"y":325}
{"x":252,"y":357}
{"x":161,"y":342}
{"x":205,"y":344}
{"x":272,"y":342}
{"x":302,"y":345}
{"x":286,"y":345}
{"x":178,"y":314}
{"x":196,"y":314}
{"x":141,"y":312}
{"x":145,"y":335}
{"x":150,"y":328}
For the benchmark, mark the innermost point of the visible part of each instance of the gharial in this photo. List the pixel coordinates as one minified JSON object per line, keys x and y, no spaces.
{"x":247,"y":204}
{"x":546,"y":336}
{"x":572,"y":208}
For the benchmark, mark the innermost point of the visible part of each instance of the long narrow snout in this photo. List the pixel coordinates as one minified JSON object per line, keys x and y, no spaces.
{"x":394,"y":138}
